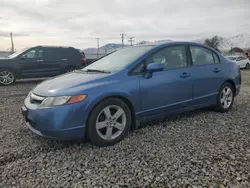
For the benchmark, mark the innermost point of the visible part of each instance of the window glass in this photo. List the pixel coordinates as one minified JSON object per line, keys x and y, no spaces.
{"x":119,"y":59}
{"x":31,"y":54}
{"x":40,"y":54}
{"x":201,"y":56}
{"x":232,"y":58}
{"x":170,"y":57}
{"x":238,"y":59}
{"x":216,"y":58}
{"x":52,"y":54}
{"x":244,"y":58}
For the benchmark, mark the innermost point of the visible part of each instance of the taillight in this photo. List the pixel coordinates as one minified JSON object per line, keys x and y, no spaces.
{"x":84,"y":60}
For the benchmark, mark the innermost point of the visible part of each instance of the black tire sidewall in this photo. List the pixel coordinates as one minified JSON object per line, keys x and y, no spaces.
{"x":247,"y":66}
{"x":69,"y":68}
{"x":219,"y":106}
{"x":4,"y":69}
{"x":91,"y":132}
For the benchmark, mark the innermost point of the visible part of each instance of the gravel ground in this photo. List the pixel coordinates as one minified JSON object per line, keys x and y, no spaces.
{"x":197,"y":149}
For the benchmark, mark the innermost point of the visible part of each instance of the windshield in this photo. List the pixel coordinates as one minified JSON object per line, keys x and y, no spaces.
{"x":17,"y":53}
{"x":232,"y":58}
{"x":119,"y":59}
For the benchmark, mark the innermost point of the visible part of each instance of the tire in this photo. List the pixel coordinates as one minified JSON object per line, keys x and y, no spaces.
{"x":222,"y":106}
{"x":7,"y":77}
{"x":69,"y":69}
{"x":98,"y":135}
{"x":247,"y":66}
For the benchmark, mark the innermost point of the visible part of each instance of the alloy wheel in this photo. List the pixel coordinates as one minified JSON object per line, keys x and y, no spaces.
{"x":6,"y":77}
{"x":111,"y":122}
{"x":226,"y":97}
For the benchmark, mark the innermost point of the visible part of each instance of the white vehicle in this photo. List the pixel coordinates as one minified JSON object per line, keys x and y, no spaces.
{"x":240,"y":60}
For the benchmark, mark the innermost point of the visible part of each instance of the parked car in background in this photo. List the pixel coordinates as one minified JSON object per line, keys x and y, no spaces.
{"x":39,"y":61}
{"x":104,"y":100}
{"x":240,"y":60}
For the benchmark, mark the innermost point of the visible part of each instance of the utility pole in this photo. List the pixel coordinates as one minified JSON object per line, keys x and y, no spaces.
{"x":131,"y":41}
{"x":12,"y":43}
{"x":123,"y":34}
{"x":98,"y":47}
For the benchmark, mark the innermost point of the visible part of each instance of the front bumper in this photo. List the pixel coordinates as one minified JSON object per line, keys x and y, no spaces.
{"x":237,"y":90}
{"x":63,"y":135}
{"x":59,"y":123}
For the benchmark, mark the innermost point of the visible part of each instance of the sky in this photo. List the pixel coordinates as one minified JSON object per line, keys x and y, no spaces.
{"x":79,"y":22}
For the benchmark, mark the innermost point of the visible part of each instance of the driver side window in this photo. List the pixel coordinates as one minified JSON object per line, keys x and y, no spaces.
{"x":171,"y":57}
{"x":30,"y":54}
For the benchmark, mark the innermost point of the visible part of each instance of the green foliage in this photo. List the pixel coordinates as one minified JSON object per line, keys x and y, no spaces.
{"x":236,"y":50}
{"x":214,"y":43}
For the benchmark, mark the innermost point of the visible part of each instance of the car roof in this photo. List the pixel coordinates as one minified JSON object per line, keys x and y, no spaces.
{"x":48,"y":46}
{"x":160,"y":43}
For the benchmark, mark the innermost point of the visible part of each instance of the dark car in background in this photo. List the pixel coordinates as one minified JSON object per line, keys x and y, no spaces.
{"x":40,"y":61}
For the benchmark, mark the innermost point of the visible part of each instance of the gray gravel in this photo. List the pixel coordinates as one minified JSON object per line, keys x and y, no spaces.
{"x":198,"y":149}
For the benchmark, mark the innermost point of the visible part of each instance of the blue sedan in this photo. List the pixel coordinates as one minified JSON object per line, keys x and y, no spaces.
{"x":115,"y":94}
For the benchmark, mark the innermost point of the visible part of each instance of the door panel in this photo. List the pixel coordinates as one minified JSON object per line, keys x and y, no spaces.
{"x":165,"y":92}
{"x":50,"y":61}
{"x":170,"y":89}
{"x":29,"y":63}
{"x":208,"y":74}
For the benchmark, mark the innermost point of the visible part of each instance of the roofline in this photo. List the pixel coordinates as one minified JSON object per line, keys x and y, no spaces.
{"x":54,"y":46}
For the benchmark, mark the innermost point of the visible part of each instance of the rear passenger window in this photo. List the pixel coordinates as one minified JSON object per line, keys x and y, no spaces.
{"x":40,"y":54}
{"x":201,"y":56}
{"x":51,"y":54}
{"x":216,"y":58}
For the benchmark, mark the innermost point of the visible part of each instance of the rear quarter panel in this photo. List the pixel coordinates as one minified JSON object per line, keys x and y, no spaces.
{"x":234,"y":73}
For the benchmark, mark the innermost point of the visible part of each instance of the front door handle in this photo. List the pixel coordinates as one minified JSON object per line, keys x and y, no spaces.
{"x":217,"y":70}
{"x":40,"y":60}
{"x":185,"y":75}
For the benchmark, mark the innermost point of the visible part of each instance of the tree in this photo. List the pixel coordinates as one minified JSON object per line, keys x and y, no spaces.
{"x":214,"y":43}
{"x":236,"y":50}
{"x":247,"y":50}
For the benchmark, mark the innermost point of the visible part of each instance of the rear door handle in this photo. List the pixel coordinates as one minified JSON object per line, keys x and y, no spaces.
{"x":39,"y":60}
{"x":217,"y":70}
{"x":185,"y":75}
{"x":64,"y":59}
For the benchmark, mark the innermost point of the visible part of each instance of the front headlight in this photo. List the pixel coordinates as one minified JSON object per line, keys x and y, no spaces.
{"x":61,"y":100}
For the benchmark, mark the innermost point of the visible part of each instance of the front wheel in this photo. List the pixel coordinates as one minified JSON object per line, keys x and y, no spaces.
{"x":225,"y":98}
{"x":109,"y":122}
{"x":7,"y":77}
{"x":247,"y":66}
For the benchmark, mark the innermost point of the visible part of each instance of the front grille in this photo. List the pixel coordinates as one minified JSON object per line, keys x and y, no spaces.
{"x":36,"y":98}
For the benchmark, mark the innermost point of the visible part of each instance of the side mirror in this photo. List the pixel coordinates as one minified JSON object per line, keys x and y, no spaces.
{"x":23,"y":57}
{"x":154,"y":67}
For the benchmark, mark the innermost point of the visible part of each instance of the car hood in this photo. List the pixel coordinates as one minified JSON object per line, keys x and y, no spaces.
{"x":70,"y":84}
{"x":4,"y":58}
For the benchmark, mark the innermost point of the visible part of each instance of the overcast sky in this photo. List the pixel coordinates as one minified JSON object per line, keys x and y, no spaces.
{"x":77,"y":22}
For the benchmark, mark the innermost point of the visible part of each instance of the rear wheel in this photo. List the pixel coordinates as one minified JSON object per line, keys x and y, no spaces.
{"x":69,"y":69}
{"x":109,"y":122}
{"x":247,"y":66}
{"x":225,"y":98}
{"x":7,"y":77}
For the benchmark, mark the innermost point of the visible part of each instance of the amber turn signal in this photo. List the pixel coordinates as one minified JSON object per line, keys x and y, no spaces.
{"x":76,"y":98}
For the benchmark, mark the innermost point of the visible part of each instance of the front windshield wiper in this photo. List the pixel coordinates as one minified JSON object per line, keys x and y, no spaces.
{"x":95,"y":70}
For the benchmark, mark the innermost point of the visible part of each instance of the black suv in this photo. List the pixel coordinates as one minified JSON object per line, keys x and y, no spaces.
{"x":40,"y":61}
